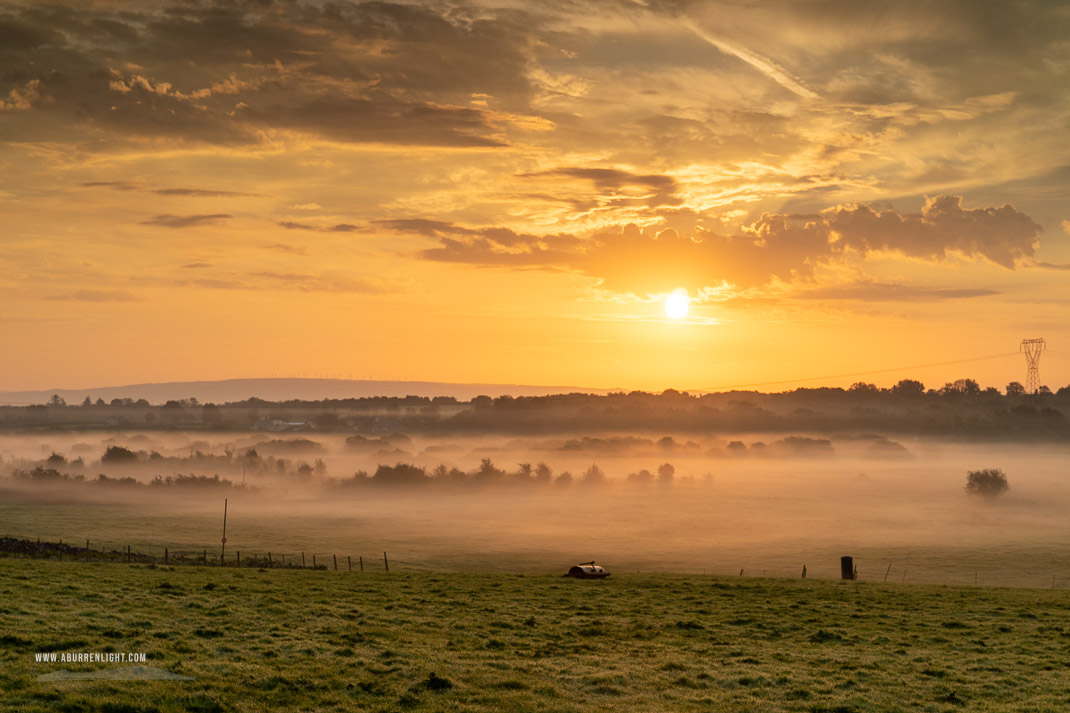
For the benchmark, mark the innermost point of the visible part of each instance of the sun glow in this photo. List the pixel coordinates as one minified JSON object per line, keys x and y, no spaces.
{"x":676,"y":304}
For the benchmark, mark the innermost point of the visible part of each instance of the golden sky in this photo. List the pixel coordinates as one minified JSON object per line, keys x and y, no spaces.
{"x":508,"y":191}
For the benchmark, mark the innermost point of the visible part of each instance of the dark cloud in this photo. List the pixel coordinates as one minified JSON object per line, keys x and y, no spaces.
{"x":1002,"y":235}
{"x":336,"y":228}
{"x":378,"y":119}
{"x":284,"y":248}
{"x":114,"y":185}
{"x":192,"y":192}
{"x":618,"y":188}
{"x":224,"y":73}
{"x":203,"y":193}
{"x":422,"y":226}
{"x":185,"y":221}
{"x":775,"y":247}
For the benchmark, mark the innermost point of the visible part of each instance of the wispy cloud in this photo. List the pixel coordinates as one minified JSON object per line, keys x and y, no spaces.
{"x":167,"y":220}
{"x":98,"y":296}
{"x":336,"y":228}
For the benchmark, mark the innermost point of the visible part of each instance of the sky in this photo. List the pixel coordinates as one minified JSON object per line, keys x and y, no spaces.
{"x":508,"y":192}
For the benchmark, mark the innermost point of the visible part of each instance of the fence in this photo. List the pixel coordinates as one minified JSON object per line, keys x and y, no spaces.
{"x":101,"y":553}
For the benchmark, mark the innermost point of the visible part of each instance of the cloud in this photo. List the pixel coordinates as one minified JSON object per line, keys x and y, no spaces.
{"x":167,"y":220}
{"x":191,"y":192}
{"x":378,"y":119}
{"x":616,"y":188}
{"x":114,"y":185}
{"x":776,"y":247}
{"x":98,"y":296}
{"x":336,"y":228}
{"x":890,"y":292}
{"x":203,"y":193}
{"x":230,"y":73}
{"x":298,"y":282}
{"x":284,"y":248}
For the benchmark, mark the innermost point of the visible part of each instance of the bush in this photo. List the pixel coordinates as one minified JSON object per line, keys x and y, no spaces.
{"x":988,"y":482}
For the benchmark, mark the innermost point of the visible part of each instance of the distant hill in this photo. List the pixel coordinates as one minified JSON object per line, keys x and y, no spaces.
{"x":229,"y":390}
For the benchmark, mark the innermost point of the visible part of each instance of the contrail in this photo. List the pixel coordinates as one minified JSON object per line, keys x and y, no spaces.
{"x":760,"y":63}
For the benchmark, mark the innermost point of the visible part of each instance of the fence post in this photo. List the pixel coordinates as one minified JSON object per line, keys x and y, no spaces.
{"x":349,"y":560}
{"x":804,"y":572}
{"x":166,"y":553}
{"x":87,"y":550}
{"x":335,"y":562}
{"x":890,"y":571}
{"x":847,"y":567}
{"x":313,"y":560}
{"x":302,"y":560}
{"x":238,"y":553}
{"x":361,"y":562}
{"x":269,"y":559}
{"x":386,"y":563}
{"x":205,"y":556}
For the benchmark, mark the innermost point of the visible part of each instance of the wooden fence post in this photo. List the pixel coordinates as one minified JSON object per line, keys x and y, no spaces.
{"x":166,"y":553}
{"x":335,"y":562}
{"x":238,"y":560}
{"x":205,"y":556}
{"x":890,"y":571}
{"x":302,"y":560}
{"x":349,"y":560}
{"x":386,"y":563}
{"x":269,"y":559}
{"x":313,"y":560}
{"x":361,"y":563}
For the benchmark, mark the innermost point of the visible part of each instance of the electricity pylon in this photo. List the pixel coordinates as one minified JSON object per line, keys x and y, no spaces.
{"x":1032,"y":349}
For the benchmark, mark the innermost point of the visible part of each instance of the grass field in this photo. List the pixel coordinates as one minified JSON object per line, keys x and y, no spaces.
{"x":322,"y":640}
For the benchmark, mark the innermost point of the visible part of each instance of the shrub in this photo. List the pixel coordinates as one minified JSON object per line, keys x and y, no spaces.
{"x":988,"y":482}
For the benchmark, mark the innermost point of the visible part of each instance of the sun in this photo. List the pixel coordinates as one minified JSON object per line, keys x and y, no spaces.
{"x":676,"y":304}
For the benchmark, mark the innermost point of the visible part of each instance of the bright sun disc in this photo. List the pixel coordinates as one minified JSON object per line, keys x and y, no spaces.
{"x":676,"y":304}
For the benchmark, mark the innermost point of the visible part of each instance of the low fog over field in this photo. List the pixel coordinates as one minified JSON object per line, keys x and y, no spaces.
{"x":766,"y":505}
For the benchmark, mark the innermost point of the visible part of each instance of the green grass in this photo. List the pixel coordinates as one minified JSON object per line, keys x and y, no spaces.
{"x":319,"y":640}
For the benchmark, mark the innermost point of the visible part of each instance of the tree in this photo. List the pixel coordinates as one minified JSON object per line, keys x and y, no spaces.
{"x":642,"y":477}
{"x":861,"y":387}
{"x":118,"y":454}
{"x":56,"y":400}
{"x":989,"y":482}
{"x":593,"y":475}
{"x":666,"y":471}
{"x":1015,"y":388}
{"x":968,"y":387}
{"x":543,"y":473}
{"x":909,"y":387}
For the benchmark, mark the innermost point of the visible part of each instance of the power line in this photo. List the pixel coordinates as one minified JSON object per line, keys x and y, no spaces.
{"x":859,"y":373}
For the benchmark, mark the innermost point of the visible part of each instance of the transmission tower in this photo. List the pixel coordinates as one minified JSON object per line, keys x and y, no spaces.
{"x":1032,"y":349}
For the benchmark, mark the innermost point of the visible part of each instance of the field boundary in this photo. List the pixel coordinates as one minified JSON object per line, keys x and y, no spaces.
{"x":63,"y":551}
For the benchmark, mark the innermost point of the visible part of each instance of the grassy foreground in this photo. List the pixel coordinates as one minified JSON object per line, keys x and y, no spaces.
{"x":322,"y":640}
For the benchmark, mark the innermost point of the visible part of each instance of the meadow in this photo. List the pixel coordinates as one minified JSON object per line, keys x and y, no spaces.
{"x":301,"y":640}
